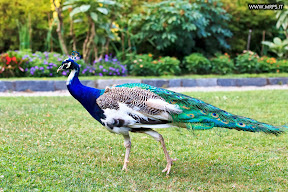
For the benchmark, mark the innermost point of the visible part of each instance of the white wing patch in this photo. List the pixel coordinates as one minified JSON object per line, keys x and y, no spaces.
{"x":122,"y":113}
{"x":163,"y":105}
{"x":129,"y":115}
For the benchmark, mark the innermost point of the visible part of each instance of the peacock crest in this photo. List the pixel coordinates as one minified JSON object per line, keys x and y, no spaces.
{"x":75,"y":54}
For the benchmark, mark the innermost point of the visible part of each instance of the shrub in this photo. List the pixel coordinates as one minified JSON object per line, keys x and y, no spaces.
{"x":142,"y":65}
{"x":109,"y":66}
{"x":45,"y":64}
{"x":11,"y":65}
{"x":222,"y":64}
{"x":247,"y":62}
{"x":282,"y":66}
{"x":267,"y":64}
{"x":183,"y":26}
{"x":167,"y":66}
{"x":197,"y":63}
{"x":129,"y":61}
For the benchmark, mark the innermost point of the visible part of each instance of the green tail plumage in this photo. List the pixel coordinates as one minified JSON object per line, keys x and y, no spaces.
{"x":200,"y":115}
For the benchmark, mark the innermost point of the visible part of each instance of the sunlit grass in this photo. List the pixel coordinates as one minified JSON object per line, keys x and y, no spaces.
{"x":52,"y":144}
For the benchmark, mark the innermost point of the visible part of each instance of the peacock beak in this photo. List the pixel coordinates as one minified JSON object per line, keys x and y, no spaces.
{"x":60,"y":68}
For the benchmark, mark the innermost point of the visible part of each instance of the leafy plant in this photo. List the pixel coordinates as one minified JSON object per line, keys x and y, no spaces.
{"x":222,"y":64}
{"x":282,"y":66}
{"x":167,"y":66}
{"x":196,"y":63}
{"x":11,"y":65}
{"x":99,"y":16}
{"x":278,"y":46}
{"x":247,"y":62}
{"x":108,"y":66}
{"x":45,"y":64}
{"x":179,"y":25}
{"x":267,"y":64}
{"x":142,"y":65}
{"x":282,"y":19}
{"x":14,"y":12}
{"x":24,"y":34}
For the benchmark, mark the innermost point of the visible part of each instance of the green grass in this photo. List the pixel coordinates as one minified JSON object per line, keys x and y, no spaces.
{"x":265,"y":75}
{"x":52,"y":144}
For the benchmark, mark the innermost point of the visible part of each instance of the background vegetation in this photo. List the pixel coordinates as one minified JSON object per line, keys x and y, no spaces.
{"x":126,"y":29}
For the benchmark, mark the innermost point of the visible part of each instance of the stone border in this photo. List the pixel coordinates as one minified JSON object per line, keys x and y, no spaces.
{"x":165,"y":83}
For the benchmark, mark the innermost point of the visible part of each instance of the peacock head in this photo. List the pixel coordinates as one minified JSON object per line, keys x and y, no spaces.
{"x":69,"y":63}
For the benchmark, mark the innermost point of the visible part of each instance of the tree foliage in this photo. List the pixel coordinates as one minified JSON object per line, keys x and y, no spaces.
{"x":14,"y":11}
{"x":100,"y":17}
{"x":125,"y":27}
{"x":244,"y":19}
{"x":184,"y":27}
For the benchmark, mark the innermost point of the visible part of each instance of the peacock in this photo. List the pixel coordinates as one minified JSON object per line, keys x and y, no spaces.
{"x":140,"y":108}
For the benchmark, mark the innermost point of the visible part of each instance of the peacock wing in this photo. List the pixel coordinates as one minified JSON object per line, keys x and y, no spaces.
{"x":135,"y":107}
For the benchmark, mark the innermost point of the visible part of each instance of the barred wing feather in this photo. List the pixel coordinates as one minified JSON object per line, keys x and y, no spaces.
{"x":135,"y":108}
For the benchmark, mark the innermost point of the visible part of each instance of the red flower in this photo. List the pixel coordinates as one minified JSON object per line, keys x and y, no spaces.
{"x":8,"y":59}
{"x":14,"y":59}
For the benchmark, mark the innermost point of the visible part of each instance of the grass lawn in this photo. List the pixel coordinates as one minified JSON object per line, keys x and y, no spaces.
{"x":52,"y":144}
{"x":265,"y":75}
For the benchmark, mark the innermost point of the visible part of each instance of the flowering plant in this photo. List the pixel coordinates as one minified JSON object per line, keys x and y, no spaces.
{"x":282,"y":66}
{"x":11,"y":65}
{"x":168,"y":66}
{"x":109,"y":66}
{"x":222,"y":64}
{"x":196,"y":63}
{"x":267,"y":64}
{"x":45,"y":64}
{"x":247,"y":62}
{"x":143,"y":65}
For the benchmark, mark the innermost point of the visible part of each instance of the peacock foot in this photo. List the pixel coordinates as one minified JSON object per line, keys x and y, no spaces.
{"x":168,"y":166}
{"x":125,"y":166}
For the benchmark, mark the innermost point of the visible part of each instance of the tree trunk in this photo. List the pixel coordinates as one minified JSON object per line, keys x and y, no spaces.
{"x":129,"y":43}
{"x":106,"y":48}
{"x":60,"y":27}
{"x":249,"y":39}
{"x":85,"y":54}
{"x":72,"y":34}
{"x":95,"y":52}
{"x":89,"y":41}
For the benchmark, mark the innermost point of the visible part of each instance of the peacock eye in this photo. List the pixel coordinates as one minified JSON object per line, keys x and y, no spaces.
{"x":68,"y":65}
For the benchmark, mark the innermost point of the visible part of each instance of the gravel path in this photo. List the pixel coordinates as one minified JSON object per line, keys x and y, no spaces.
{"x":176,"y":89}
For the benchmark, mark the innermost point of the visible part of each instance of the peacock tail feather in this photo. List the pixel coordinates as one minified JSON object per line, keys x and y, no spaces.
{"x":198,"y":115}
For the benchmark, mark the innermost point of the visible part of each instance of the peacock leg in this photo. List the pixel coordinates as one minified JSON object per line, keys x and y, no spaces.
{"x":127,"y":144}
{"x":157,"y":136}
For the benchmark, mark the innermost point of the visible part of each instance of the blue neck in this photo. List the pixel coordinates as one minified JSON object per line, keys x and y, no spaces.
{"x":85,"y":95}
